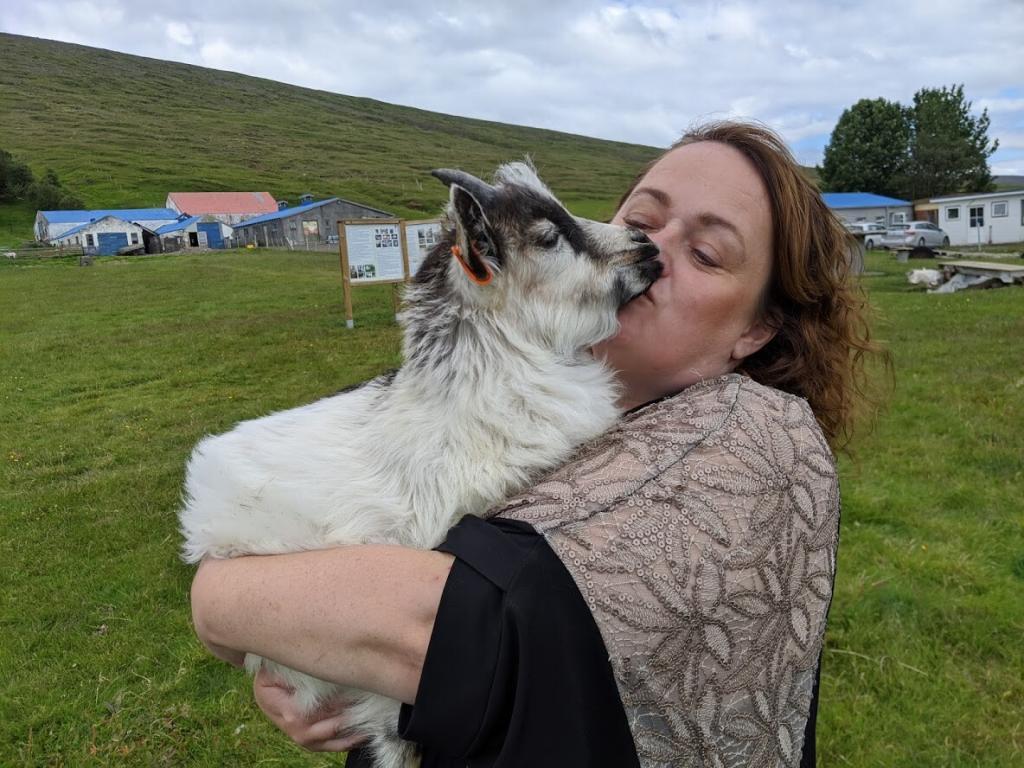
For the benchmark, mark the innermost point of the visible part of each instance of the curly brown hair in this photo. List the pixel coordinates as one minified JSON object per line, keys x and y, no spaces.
{"x":820,"y":313}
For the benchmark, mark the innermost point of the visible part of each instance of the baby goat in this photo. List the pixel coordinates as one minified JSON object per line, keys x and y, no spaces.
{"x":498,"y":384}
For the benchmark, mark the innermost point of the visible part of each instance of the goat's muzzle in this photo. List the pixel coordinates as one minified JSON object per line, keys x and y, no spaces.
{"x":642,"y":269}
{"x":650,"y":267}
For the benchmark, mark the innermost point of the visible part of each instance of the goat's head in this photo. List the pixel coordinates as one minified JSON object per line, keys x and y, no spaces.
{"x":516,"y":253}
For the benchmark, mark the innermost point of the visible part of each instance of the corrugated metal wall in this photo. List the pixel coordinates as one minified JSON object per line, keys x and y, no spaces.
{"x":212,"y":230}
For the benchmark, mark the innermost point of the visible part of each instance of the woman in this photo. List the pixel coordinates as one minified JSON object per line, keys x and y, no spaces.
{"x":671,"y":609}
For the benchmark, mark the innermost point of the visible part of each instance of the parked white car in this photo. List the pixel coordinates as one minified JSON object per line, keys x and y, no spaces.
{"x":873,"y":233}
{"x":915,"y":234}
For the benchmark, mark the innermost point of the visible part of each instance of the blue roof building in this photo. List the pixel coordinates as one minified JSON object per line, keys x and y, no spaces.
{"x":284,"y":213}
{"x":195,"y":232}
{"x":178,"y":226}
{"x":104,"y":236}
{"x":865,"y":206}
{"x":860,"y":200}
{"x":308,"y":226}
{"x":53,"y":224}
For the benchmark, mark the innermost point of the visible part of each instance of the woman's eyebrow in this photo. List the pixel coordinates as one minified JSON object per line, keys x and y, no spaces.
{"x":708,"y":220}
{"x":657,"y":194}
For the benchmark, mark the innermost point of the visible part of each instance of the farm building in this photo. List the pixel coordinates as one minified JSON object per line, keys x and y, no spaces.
{"x":194,"y":232}
{"x":303,"y":226}
{"x":228,"y":207}
{"x":50,"y":225}
{"x":864,"y":206}
{"x":982,"y":219}
{"x":104,"y":236}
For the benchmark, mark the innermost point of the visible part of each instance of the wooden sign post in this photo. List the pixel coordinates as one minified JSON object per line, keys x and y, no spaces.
{"x":374,"y":251}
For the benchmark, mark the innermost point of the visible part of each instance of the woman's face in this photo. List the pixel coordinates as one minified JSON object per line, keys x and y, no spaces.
{"x":706,"y":207}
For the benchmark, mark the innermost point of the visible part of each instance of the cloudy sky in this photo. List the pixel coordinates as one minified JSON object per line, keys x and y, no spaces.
{"x":633,"y":71}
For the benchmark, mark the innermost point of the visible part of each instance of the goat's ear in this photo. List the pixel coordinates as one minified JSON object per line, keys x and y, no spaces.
{"x":476,"y":245}
{"x":475,"y":248}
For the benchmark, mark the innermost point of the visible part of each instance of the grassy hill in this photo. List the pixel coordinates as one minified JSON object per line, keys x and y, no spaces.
{"x":125,"y":130}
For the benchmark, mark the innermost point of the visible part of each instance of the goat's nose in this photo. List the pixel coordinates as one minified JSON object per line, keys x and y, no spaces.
{"x":638,"y":235}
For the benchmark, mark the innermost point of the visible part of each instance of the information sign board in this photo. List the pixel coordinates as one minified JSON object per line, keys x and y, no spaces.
{"x":421,"y":237}
{"x":374,"y":250}
{"x":382,"y":251}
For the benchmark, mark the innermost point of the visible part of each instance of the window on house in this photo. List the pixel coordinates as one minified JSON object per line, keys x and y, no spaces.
{"x":311,"y":230}
{"x":978,"y":216}
{"x":89,"y":241}
{"x":897,"y":218}
{"x":135,"y":238}
{"x":1000,"y":209}
{"x":953,"y":213}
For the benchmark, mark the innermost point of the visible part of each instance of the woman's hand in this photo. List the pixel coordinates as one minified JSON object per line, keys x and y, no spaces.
{"x":321,"y":731}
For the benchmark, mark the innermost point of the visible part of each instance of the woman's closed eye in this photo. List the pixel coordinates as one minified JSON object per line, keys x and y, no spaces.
{"x":705,"y":257}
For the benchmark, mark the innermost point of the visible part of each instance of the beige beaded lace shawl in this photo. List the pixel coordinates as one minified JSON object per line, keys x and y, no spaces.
{"x":702,"y":532}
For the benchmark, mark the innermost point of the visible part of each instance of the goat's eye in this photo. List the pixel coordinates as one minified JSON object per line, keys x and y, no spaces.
{"x":549,"y":239}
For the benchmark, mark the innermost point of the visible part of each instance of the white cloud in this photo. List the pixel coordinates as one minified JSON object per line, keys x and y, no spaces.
{"x":633,"y":71}
{"x":179,"y":32}
{"x":998,"y":105}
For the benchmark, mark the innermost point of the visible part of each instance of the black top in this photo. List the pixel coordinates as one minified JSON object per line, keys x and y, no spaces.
{"x":516,"y":673}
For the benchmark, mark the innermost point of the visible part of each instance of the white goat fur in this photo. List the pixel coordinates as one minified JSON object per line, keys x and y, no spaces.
{"x":457,"y":429}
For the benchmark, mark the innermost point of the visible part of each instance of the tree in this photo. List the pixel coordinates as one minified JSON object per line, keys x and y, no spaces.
{"x":49,"y":197}
{"x":15,"y":177}
{"x":47,"y":193}
{"x":949,"y":148}
{"x":868,"y":150}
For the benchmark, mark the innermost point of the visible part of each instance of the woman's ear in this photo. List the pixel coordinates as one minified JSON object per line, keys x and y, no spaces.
{"x":757,"y":335}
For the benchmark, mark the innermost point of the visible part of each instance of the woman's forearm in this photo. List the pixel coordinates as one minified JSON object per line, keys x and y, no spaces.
{"x":359,"y":616}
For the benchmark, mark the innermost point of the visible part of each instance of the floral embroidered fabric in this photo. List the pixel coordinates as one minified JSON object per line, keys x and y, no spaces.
{"x":702,"y":532}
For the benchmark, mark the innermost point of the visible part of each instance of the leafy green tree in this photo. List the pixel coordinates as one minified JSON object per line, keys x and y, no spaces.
{"x":949,"y":147}
{"x":50,"y":197}
{"x":47,"y":193}
{"x":15,"y":177}
{"x":868,"y":150}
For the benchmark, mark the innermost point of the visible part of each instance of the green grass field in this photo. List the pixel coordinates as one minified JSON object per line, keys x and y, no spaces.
{"x":109,"y":375}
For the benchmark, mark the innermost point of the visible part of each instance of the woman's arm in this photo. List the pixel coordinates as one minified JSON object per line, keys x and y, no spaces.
{"x":359,"y":616}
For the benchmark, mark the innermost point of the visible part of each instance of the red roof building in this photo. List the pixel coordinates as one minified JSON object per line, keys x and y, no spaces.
{"x":228,"y":207}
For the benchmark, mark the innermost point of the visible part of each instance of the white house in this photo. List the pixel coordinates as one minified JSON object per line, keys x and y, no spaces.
{"x":50,"y":225}
{"x":865,"y":206}
{"x":105,"y":236}
{"x":982,"y":219}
